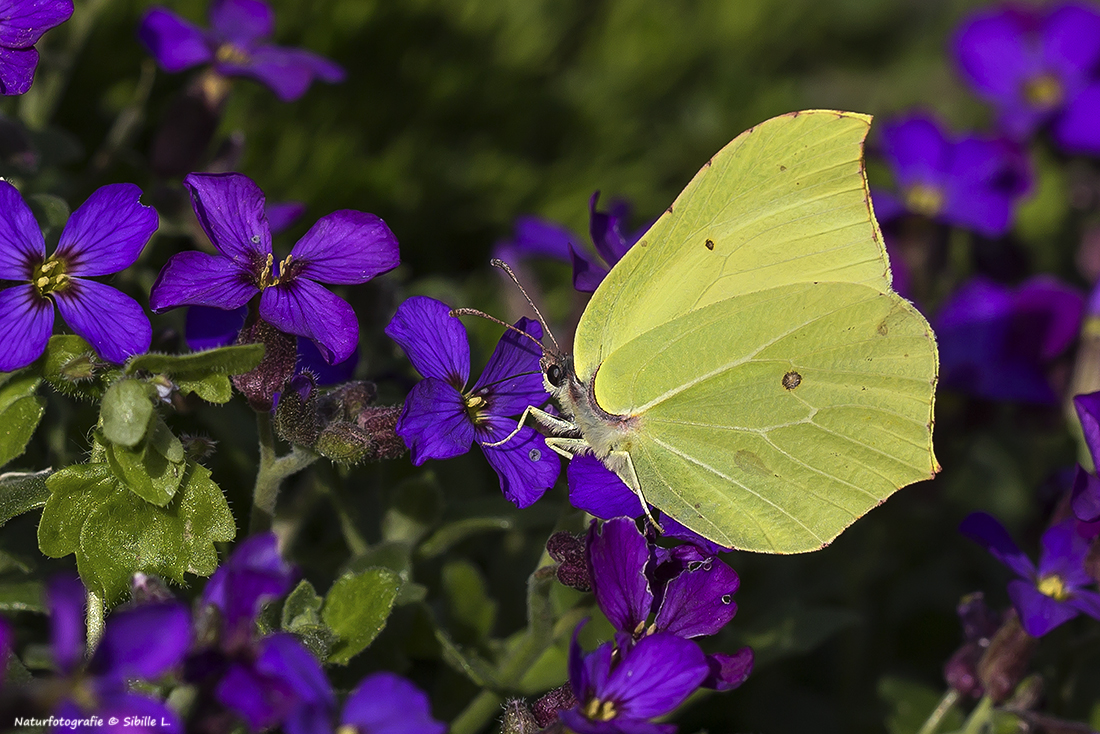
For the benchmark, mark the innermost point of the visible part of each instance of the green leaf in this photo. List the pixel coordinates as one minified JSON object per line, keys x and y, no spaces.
{"x":232,"y":360}
{"x":447,"y":536}
{"x":472,"y":611}
{"x":356,"y":608}
{"x":22,"y":492}
{"x":115,"y":533}
{"x":17,"y":426}
{"x":480,"y":671}
{"x":416,"y":506}
{"x":301,"y":616}
{"x":17,"y":386}
{"x":22,"y":596}
{"x":72,"y":368}
{"x":126,"y":411}
{"x":212,"y":388}
{"x":155,"y":469}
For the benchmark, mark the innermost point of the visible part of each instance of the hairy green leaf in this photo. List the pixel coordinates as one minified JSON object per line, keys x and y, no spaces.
{"x":356,"y":608}
{"x":22,"y":492}
{"x":126,"y":411}
{"x":232,"y":360}
{"x":214,"y":388}
{"x":17,"y":425}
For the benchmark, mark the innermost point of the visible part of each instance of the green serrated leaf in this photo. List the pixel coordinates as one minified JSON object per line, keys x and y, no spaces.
{"x":356,"y":609}
{"x":146,"y":471}
{"x":212,"y":388}
{"x":472,"y":611}
{"x":115,"y":533}
{"x":22,"y":596}
{"x":22,"y":492}
{"x":17,"y":426}
{"x":302,"y":607}
{"x":232,"y":360}
{"x":126,"y":411}
{"x":72,"y":368}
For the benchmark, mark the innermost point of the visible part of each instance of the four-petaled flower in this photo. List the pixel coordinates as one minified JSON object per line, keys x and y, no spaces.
{"x":442,"y":418}
{"x":1051,"y":594}
{"x":22,"y":23}
{"x":385,"y":703}
{"x":103,"y":236}
{"x":236,"y":45}
{"x":1037,"y":67}
{"x":970,"y":182}
{"x":344,"y":248}
{"x":622,"y":690}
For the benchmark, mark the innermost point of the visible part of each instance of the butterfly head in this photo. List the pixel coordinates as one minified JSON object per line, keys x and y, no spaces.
{"x":557,"y":371}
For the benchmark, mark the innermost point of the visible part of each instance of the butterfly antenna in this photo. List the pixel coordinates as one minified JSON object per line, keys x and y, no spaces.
{"x":494,"y":319}
{"x":498,"y":263}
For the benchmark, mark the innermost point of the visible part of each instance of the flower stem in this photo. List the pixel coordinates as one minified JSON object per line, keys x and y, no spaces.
{"x":94,"y":620}
{"x":932,"y":723}
{"x":538,"y":637}
{"x":273,"y":470}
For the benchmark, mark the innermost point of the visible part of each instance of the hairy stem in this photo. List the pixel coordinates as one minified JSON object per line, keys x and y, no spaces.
{"x":94,"y":620}
{"x":273,"y":470}
{"x":932,"y":723}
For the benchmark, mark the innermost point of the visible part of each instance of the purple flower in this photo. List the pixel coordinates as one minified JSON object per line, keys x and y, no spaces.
{"x":969,"y":182}
{"x":103,"y":236}
{"x":996,"y":341}
{"x":22,"y":23}
{"x":1037,"y":67}
{"x":385,"y":703}
{"x":141,"y":643}
{"x":442,"y":418}
{"x":1085,"y":499}
{"x":1051,"y":594}
{"x":344,"y":248}
{"x":542,"y":238}
{"x":236,"y":45}
{"x":620,"y":691}
{"x":687,"y":593}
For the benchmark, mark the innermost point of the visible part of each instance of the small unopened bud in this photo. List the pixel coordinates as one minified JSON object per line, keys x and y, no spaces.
{"x":79,"y":369}
{"x":198,"y":448}
{"x":961,"y":670}
{"x":296,"y":417}
{"x":546,"y":708}
{"x":518,"y":719}
{"x":568,"y":550}
{"x":1006,"y":659}
{"x":280,"y":354}
{"x":345,"y":443}
{"x":148,"y":589}
{"x":380,"y":423}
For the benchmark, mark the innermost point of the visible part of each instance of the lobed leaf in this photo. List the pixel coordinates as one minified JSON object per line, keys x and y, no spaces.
{"x":232,"y":360}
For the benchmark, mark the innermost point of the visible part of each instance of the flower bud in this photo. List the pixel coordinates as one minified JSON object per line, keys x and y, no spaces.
{"x":373,"y":437}
{"x":198,"y":448}
{"x":546,"y":708}
{"x":518,"y":719}
{"x":1006,"y":659}
{"x":380,"y":423}
{"x":296,"y":418}
{"x":568,"y":550}
{"x":280,"y":354}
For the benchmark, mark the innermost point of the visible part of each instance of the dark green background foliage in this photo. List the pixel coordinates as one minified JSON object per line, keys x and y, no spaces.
{"x":459,"y":115}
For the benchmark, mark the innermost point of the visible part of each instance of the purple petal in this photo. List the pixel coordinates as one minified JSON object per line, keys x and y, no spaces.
{"x":346,"y":248}
{"x":253,"y":575}
{"x":985,"y":181}
{"x":599,"y":491}
{"x":1086,"y":493}
{"x":22,"y":247}
{"x":304,"y":308}
{"x":700,"y":600}
{"x":605,"y":228}
{"x":285,"y":658}
{"x":143,"y":642}
{"x":1062,"y":553}
{"x":579,"y":679}
{"x":434,"y":424}
{"x":617,"y":556}
{"x":673,"y":529}
{"x":1075,"y":130}
{"x":174,"y":42}
{"x":263,"y":701}
{"x":230,"y":208}
{"x":286,"y":71}
{"x":206,"y":327}
{"x":65,"y":596}
{"x":282,"y":215}
{"x":107,"y":232}
{"x":434,"y":341}
{"x":512,"y":379}
{"x":201,"y":279}
{"x":887,"y":206}
{"x":992,"y":52}
{"x":1049,"y":309}
{"x":241,"y":22}
{"x":310,"y":359}
{"x":134,"y":714}
{"x":1038,"y":612}
{"x":917,"y":151}
{"x":1088,"y":412}
{"x":577,"y":722}
{"x":26,"y":321}
{"x":535,"y":237}
{"x":111,"y":321}
{"x":385,"y":703}
{"x":587,"y":275}
{"x":17,"y":67}
{"x":656,"y":676}
{"x":728,"y":671}
{"x":1086,"y":601}
{"x":985,"y":530}
{"x":22,"y":23}
{"x":525,"y":466}
{"x":1071,"y":40}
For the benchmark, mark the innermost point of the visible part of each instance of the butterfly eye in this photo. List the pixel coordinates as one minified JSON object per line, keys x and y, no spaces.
{"x":555,"y":375}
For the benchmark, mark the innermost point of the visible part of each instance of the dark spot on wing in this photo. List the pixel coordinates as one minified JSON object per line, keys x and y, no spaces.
{"x":709,"y":244}
{"x":883,"y":329}
{"x":749,"y":462}
{"x":782,"y":168}
{"x":791,"y":380}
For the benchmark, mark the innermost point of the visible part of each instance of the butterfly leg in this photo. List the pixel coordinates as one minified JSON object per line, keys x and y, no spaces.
{"x":558,"y":426}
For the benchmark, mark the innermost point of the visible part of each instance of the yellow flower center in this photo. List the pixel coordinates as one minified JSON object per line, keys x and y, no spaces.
{"x":347,"y":729}
{"x":227,"y":53}
{"x":598,"y":710}
{"x":50,"y":277}
{"x":475,"y":404}
{"x":1054,"y":587}
{"x":1044,"y":92}
{"x":267,"y":275}
{"x":923,"y":199}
